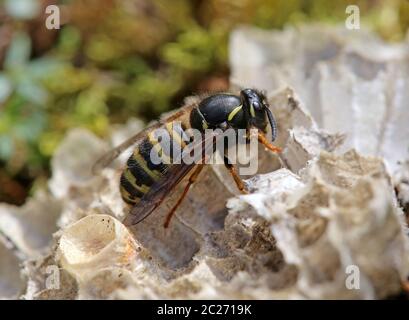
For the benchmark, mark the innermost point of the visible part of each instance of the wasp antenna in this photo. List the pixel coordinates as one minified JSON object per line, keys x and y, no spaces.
{"x":273,"y":123}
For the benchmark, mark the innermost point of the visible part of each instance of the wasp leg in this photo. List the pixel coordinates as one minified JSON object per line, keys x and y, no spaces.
{"x":239,"y":182}
{"x":263,"y":140}
{"x":192,"y":179}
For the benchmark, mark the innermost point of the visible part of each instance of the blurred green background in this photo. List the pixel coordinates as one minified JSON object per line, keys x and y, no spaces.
{"x":113,"y":59}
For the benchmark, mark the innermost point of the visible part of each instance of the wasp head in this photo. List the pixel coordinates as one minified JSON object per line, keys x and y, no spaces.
{"x":257,"y":111}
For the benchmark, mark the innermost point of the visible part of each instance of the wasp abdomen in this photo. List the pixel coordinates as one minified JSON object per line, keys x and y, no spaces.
{"x":141,"y":172}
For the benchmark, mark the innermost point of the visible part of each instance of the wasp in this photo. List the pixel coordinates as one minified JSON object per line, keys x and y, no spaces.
{"x":145,"y":185}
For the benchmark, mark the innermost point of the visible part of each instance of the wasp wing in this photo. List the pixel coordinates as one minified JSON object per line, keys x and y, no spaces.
{"x":160,"y":190}
{"x":111,"y":155}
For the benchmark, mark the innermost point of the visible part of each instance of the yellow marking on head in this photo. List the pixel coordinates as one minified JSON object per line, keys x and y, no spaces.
{"x":234,"y":112}
{"x":252,"y":112}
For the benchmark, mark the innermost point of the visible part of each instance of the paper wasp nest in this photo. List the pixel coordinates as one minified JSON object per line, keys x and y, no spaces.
{"x":323,"y":221}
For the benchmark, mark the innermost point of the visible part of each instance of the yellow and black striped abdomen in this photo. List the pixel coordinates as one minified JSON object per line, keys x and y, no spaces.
{"x":140,"y":172}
